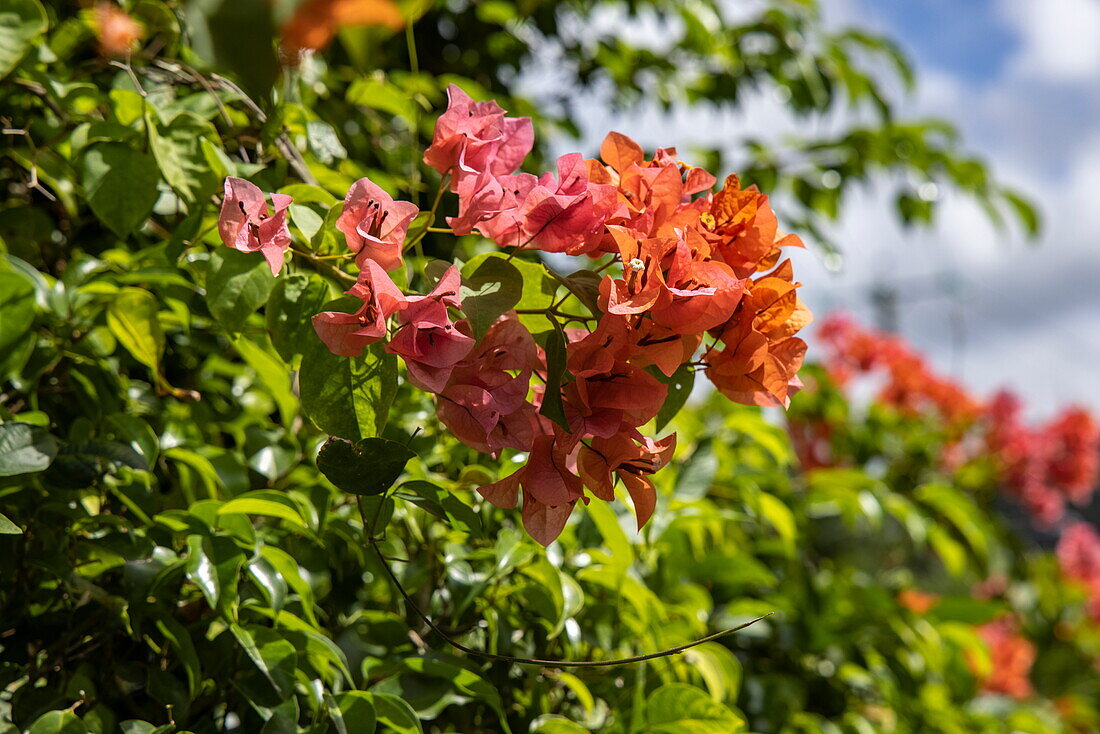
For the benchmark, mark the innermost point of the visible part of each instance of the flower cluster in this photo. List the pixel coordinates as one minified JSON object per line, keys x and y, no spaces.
{"x":693,"y":281}
{"x":1011,"y":656}
{"x":1041,"y":466}
{"x":909,"y":382}
{"x":688,"y":269}
{"x":1047,"y":465}
{"x":1079,"y":558}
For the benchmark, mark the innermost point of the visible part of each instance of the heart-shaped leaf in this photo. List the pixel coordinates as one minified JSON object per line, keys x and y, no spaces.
{"x":366,"y":467}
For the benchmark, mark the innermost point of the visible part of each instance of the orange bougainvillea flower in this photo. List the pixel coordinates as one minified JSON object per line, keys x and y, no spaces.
{"x":1011,"y":656}
{"x":631,"y":458}
{"x":761,"y":359}
{"x":917,"y":601}
{"x":550,"y":489}
{"x":315,"y":22}
{"x":117,"y":32}
{"x":744,"y":228}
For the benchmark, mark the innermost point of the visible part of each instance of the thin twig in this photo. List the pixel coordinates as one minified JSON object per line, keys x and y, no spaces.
{"x":372,"y":541}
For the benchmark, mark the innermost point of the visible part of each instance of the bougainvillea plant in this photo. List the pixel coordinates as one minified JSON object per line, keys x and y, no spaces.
{"x":687,"y":280}
{"x":1040,"y":466}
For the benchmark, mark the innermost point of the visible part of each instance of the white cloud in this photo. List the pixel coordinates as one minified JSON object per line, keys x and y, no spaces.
{"x":1061,"y":38}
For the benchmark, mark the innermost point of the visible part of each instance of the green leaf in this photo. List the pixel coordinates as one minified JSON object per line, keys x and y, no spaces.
{"x":356,"y":709}
{"x":399,"y":716}
{"x":621,"y":555}
{"x":1025,"y":211}
{"x":121,"y":186}
{"x":214,"y":565}
{"x":964,"y":609}
{"x":237,"y":284}
{"x":273,"y":375}
{"x":236,"y":35}
{"x":268,"y":578}
{"x":780,"y":517}
{"x":7,"y":527}
{"x":698,"y":472}
{"x":180,"y":639}
{"x":678,"y":708}
{"x":264,"y":502}
{"x":490,"y":288}
{"x":381,"y":95}
{"x":719,"y":668}
{"x":324,"y":143}
{"x":80,"y":465}
{"x":58,"y":722}
{"x":25,"y":449}
{"x":17,"y":308}
{"x":680,"y":385}
{"x":442,"y":504}
{"x":585,"y":285}
{"x":463,"y":680}
{"x":179,"y":152}
{"x":348,"y":397}
{"x":134,"y":432}
{"x":21,"y":21}
{"x":366,"y":467}
{"x":275,"y":659}
{"x":539,"y":288}
{"x":554,"y":724}
{"x":552,"y":405}
{"x":132,"y":318}
{"x":293,"y":302}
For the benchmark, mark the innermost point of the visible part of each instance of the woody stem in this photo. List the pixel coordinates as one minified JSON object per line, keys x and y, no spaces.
{"x":372,"y":541}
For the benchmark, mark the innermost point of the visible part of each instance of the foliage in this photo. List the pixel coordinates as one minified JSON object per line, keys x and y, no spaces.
{"x":183,"y":546}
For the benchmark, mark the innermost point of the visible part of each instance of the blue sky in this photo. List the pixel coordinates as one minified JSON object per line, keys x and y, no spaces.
{"x":963,"y":37}
{"x":1021,"y":79}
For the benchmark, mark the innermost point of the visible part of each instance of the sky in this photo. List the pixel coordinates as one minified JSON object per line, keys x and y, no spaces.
{"x":1021,"y":80}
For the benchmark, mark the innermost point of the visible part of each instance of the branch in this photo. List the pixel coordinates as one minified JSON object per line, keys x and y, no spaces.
{"x":372,"y":541}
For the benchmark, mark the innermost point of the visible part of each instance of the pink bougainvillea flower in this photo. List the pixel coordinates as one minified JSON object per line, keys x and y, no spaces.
{"x":631,"y":458}
{"x":485,"y":401}
{"x":1079,"y":559}
{"x":246,"y":223}
{"x":429,"y":342}
{"x":566,"y":213}
{"x":375,"y":225}
{"x":473,"y":137}
{"x":550,"y":489}
{"x":347,"y":334}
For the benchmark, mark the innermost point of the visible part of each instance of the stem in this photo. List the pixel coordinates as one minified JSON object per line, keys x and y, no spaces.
{"x":319,"y":264}
{"x":554,"y":312}
{"x":414,"y":66}
{"x":372,"y":541}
